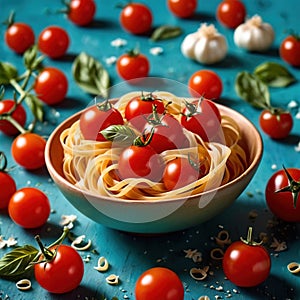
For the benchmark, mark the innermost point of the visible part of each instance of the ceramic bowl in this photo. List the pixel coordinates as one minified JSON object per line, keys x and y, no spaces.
{"x":153,"y":217}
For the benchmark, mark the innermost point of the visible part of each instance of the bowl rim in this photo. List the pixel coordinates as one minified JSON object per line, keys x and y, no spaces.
{"x":252,"y":166}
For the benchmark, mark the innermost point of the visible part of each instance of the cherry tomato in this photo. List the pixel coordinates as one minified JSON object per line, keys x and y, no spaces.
{"x":140,"y":107}
{"x":97,"y":118}
{"x":180,"y":172}
{"x":136,"y":18}
{"x":53,"y":41}
{"x":81,"y":12}
{"x":19,"y":37}
{"x":28,"y":150}
{"x":63,"y":273}
{"x":133,"y":65}
{"x":246,"y":263}
{"x":285,"y":204}
{"x":159,"y":283}
{"x":19,"y":115}
{"x":182,"y":8}
{"x":51,"y":85}
{"x":231,"y":13}
{"x":7,"y":187}
{"x":203,"y":118}
{"x":205,"y":83}
{"x":7,"y":183}
{"x":167,"y":133}
{"x":289,"y":50}
{"x":29,"y":207}
{"x":140,"y":162}
{"x":277,"y":124}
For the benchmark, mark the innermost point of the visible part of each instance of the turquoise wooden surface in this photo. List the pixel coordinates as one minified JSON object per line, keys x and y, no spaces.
{"x":129,"y":255}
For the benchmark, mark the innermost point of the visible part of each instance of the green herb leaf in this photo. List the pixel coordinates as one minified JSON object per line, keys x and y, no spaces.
{"x":31,"y":59}
{"x":119,"y":133}
{"x":90,"y":75}
{"x":16,"y":262}
{"x":7,"y":72}
{"x":166,"y":32}
{"x":274,"y":74}
{"x":36,"y":106}
{"x":252,"y":90}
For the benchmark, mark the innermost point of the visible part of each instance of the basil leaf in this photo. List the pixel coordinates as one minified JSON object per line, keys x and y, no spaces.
{"x":31,"y":59}
{"x":90,"y":75}
{"x":166,"y":32}
{"x":16,"y":262}
{"x":36,"y":106}
{"x":252,"y":90}
{"x":274,"y":74}
{"x":119,"y":133}
{"x":7,"y":72}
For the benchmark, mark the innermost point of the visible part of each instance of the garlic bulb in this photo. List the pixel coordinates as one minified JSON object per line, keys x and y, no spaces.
{"x":254,"y":35}
{"x":206,"y":45}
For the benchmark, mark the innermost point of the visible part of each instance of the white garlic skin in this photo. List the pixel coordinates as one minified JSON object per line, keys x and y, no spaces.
{"x":254,"y":35}
{"x":206,"y":46}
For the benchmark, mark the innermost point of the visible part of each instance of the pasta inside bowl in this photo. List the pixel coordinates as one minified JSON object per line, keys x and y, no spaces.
{"x":86,"y":172}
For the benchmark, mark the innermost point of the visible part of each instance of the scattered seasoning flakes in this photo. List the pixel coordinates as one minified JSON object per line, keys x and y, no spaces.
{"x":7,"y":243}
{"x":67,"y":219}
{"x":23,"y":285}
{"x":102,"y":265}
{"x":79,"y":240}
{"x":204,"y":297}
{"x":199,"y":274}
{"x":298,"y":115}
{"x":118,"y":43}
{"x":297,"y":148}
{"x":292,"y":104}
{"x":250,"y":194}
{"x":112,"y":279}
{"x":195,"y":255}
{"x":111,"y":60}
{"x":156,"y":51}
{"x":253,"y":214}
{"x":274,"y":167}
{"x":278,"y":246}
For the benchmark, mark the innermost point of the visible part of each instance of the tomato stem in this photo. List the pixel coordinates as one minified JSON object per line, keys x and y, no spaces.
{"x":293,"y":187}
{"x":249,"y":240}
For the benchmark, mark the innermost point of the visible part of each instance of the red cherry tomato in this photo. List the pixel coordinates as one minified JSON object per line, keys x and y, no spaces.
{"x":246,"y":264}
{"x":202,"y":118}
{"x":28,"y":150}
{"x":136,"y":18}
{"x":182,"y":8}
{"x":7,"y":187}
{"x":63,"y":273}
{"x":19,"y":115}
{"x":7,"y":183}
{"x":277,"y":124}
{"x":97,"y":118}
{"x":231,"y":13}
{"x":29,"y":207}
{"x":159,"y":283}
{"x":133,"y":65}
{"x":167,"y":133}
{"x":51,"y":86}
{"x":19,"y":37}
{"x":289,"y":50}
{"x":141,"y":162}
{"x":81,"y":12}
{"x":205,"y":83}
{"x":140,"y":107}
{"x":180,"y":172}
{"x":286,"y":204}
{"x":53,"y":41}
